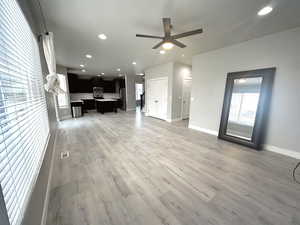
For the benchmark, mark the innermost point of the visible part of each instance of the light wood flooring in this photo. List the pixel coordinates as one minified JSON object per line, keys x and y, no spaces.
{"x":127,"y":169}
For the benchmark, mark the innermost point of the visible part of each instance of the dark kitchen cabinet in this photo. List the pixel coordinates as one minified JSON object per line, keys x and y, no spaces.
{"x":79,"y":85}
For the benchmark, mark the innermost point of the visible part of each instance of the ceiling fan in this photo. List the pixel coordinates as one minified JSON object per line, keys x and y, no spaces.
{"x":168,"y":41}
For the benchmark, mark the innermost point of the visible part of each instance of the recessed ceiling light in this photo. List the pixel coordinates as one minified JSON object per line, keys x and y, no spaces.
{"x":264,"y":11}
{"x":168,"y":45}
{"x":140,"y":74}
{"x":102,"y":73}
{"x":83,"y":71}
{"x":118,"y":69}
{"x":134,"y":63}
{"x":162,"y":52}
{"x":182,"y":55}
{"x":102,"y":36}
{"x":88,"y":56}
{"x":82,"y":66}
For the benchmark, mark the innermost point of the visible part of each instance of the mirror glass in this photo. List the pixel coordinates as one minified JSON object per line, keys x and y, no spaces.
{"x":243,"y":107}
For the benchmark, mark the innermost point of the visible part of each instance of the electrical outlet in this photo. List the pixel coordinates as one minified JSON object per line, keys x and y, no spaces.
{"x":64,"y":155}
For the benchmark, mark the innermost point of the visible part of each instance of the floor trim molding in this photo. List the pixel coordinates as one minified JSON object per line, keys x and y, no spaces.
{"x":173,"y":120}
{"x":130,"y":109}
{"x":270,"y":148}
{"x":67,"y":117}
{"x":282,"y":151}
{"x":46,"y":202}
{"x":204,"y":130}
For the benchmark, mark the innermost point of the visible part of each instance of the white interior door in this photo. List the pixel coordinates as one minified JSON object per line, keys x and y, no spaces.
{"x":162,"y":98}
{"x":157,"y":97}
{"x":152,"y":98}
{"x":186,"y":98}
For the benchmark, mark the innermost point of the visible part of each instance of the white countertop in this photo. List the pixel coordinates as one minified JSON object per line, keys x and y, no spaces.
{"x":106,"y":100}
{"x":90,"y":96}
{"x":74,"y":101}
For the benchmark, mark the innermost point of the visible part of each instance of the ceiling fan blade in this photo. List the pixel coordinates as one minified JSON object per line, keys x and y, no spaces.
{"x":167,"y":26}
{"x":158,"y":45}
{"x":179,"y":44}
{"x":189,"y":33}
{"x":148,"y":36}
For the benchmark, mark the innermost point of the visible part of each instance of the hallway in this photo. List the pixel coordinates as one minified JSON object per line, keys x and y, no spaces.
{"x":129,"y":169}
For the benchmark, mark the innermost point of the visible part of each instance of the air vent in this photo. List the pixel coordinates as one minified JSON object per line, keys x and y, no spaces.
{"x":64,"y":155}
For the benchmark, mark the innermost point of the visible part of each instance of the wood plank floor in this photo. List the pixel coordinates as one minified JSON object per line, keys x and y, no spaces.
{"x":126,"y":169}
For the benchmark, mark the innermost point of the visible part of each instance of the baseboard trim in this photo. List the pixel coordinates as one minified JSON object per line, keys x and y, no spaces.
{"x":131,"y":109}
{"x":173,"y":120}
{"x":282,"y":151}
{"x":270,"y":148}
{"x":65,"y":118}
{"x":204,"y":130}
{"x":46,"y":202}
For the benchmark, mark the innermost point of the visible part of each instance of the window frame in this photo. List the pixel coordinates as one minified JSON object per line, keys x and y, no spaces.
{"x":38,"y":81}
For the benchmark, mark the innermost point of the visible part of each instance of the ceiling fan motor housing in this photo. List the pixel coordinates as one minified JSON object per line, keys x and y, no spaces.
{"x":168,"y":38}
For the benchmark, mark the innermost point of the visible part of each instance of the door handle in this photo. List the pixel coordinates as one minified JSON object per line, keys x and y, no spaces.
{"x":156,"y":101}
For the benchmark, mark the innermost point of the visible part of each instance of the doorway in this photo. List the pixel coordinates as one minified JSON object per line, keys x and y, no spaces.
{"x":186,"y":98}
{"x":139,"y":92}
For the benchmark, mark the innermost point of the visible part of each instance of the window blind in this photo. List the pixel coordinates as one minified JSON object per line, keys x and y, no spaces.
{"x":24,"y":126}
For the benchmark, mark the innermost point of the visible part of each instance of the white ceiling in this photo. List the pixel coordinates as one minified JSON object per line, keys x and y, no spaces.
{"x":77,"y":23}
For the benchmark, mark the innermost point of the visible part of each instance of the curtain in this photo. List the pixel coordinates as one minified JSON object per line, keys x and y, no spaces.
{"x":52,"y":84}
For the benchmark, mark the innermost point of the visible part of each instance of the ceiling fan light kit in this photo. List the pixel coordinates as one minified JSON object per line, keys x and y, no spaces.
{"x":168,"y":45}
{"x":168,"y":41}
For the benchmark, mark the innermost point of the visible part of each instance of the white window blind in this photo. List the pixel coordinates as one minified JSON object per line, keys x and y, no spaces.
{"x":24,"y":126}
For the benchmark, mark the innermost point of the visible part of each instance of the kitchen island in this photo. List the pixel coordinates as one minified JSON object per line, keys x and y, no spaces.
{"x":106,"y":105}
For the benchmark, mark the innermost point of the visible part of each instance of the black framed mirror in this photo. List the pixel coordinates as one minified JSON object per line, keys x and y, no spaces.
{"x":246,"y":106}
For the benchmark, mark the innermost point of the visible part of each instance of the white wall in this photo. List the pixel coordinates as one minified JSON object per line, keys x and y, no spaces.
{"x":181,"y":72}
{"x":130,"y":92}
{"x":64,"y":113}
{"x":175,"y":72}
{"x":280,"y":50}
{"x":164,"y":70}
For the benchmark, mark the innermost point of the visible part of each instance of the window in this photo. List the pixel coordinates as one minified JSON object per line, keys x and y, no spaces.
{"x":24,"y":126}
{"x":62,"y":99}
{"x":243,"y":108}
{"x":244,"y":101}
